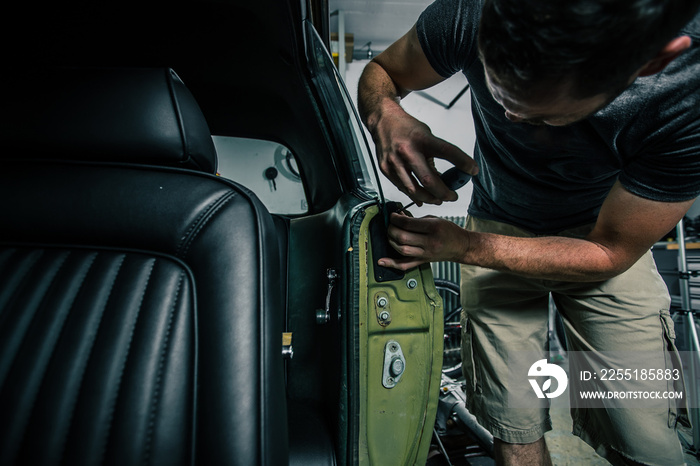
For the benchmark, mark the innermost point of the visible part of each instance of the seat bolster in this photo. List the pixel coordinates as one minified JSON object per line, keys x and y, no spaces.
{"x":254,"y":322}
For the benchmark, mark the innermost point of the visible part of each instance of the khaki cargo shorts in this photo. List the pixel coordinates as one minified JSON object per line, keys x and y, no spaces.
{"x":505,"y":314}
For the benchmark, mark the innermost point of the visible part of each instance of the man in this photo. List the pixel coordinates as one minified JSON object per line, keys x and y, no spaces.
{"x":587,"y":115}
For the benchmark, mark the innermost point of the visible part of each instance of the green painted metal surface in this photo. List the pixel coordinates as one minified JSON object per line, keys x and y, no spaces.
{"x":396,"y":424}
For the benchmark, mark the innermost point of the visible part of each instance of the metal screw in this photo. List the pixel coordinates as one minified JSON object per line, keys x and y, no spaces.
{"x":384,"y":315}
{"x":397,"y":367}
{"x":412,"y":283}
{"x":393,"y":347}
{"x":382,"y":301}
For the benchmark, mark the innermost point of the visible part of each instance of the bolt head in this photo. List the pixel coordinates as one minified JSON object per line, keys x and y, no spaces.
{"x":397,"y":367}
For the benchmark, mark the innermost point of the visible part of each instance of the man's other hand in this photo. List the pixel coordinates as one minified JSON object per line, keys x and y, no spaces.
{"x":427,"y":239}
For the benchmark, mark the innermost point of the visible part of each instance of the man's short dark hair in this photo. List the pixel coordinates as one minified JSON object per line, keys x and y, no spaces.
{"x":593,"y":45}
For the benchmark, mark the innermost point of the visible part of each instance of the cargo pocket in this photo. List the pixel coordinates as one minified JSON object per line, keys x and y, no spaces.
{"x":678,"y":408}
{"x":468,"y":365}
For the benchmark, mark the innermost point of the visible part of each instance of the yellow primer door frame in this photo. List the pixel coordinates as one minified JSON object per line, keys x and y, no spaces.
{"x":396,"y":424}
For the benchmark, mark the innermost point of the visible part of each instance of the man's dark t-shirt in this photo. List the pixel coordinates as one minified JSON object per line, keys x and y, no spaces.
{"x":547,"y":179}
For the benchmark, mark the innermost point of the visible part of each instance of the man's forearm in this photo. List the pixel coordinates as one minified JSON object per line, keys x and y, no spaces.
{"x":377,"y":93}
{"x":552,"y":257}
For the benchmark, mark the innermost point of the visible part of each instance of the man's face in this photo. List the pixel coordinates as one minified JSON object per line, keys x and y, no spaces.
{"x":556,"y":109}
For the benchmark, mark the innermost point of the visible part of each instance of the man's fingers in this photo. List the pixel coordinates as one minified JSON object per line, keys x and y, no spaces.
{"x":406,"y":149}
{"x":401,"y":264}
{"x":400,"y":169}
{"x":456,"y":156}
{"x":415,"y":240}
{"x":426,"y":174}
{"x":412,"y":165}
{"x":410,"y":224}
{"x":413,"y":189}
{"x":406,"y":249}
{"x":429,"y":179}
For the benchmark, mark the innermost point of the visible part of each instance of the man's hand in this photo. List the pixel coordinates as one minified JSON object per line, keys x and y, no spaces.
{"x":406,"y":148}
{"x":427,"y":239}
{"x":406,"y":151}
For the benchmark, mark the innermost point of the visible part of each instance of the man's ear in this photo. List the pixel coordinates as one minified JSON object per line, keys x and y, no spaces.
{"x":666,"y":56}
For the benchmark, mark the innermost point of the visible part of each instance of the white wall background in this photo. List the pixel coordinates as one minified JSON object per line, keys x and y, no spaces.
{"x":454,"y":125}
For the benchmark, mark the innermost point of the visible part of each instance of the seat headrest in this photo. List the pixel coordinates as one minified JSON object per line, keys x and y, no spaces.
{"x":134,"y":115}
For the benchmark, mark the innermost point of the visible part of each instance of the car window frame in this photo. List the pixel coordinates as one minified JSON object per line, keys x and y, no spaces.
{"x":347,"y":129}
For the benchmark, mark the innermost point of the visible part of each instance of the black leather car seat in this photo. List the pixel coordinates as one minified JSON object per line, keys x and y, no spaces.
{"x":140,"y":313}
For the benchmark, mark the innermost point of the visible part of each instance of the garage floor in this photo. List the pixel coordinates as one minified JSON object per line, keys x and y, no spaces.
{"x":565,"y":448}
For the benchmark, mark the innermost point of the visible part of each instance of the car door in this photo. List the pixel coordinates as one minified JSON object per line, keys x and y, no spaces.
{"x":368,"y":338}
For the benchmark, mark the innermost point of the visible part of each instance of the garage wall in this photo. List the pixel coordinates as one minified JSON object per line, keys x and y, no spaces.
{"x":454,"y":125}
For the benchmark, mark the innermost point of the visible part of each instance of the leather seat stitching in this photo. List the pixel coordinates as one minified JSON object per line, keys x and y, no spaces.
{"x":123,"y":363}
{"x":62,"y":324}
{"x":202,"y":221}
{"x":12,"y":296}
{"x":90,"y":352}
{"x":159,"y":376}
{"x":5,"y":369}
